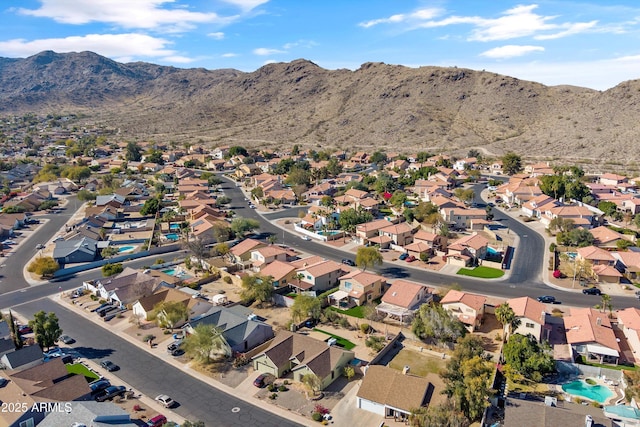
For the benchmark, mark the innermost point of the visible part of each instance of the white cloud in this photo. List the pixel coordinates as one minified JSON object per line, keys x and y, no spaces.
{"x":418,"y":15}
{"x":570,"y":29}
{"x":300,"y":43}
{"x":263,"y":51}
{"x":511,"y":51}
{"x":112,"y":45}
{"x":147,"y":14}
{"x":219,"y":35}
{"x":246,"y":4}
{"x":229,"y":55}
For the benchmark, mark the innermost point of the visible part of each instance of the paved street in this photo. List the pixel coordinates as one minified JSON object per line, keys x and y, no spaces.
{"x":152,"y":376}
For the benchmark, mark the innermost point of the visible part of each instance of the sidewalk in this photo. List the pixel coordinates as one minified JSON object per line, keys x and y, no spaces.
{"x":160,"y":352}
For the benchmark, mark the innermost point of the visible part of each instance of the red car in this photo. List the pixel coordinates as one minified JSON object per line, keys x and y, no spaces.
{"x":157,"y":421}
{"x":410,"y":258}
{"x":263,"y":380}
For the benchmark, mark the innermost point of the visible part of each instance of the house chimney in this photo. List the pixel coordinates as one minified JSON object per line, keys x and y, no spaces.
{"x":405,"y":370}
{"x":543,"y":317}
{"x":599,"y":321}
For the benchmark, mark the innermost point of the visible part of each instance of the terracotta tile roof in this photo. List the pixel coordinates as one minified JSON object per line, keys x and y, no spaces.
{"x":606,"y":270}
{"x":270,"y":251}
{"x":471,"y":300}
{"x":387,"y":386}
{"x":305,"y":262}
{"x":277,"y":269}
{"x":401,"y":228}
{"x":363,"y":277}
{"x":604,"y":234}
{"x":245,"y":246}
{"x":630,"y":318}
{"x":587,"y":325}
{"x":475,"y":241}
{"x":381,"y":239}
{"x":630,"y":259}
{"x":403,"y":292}
{"x":424,"y":235}
{"x":528,"y":308}
{"x":594,"y":253}
{"x":373,"y":225}
{"x":418,"y":247}
{"x":323,"y":267}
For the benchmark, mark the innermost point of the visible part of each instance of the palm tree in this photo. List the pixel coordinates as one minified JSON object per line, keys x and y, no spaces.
{"x":507,"y":317}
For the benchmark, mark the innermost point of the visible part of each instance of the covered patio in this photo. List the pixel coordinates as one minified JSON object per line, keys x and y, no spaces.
{"x":339,"y":299}
{"x":404,"y":315}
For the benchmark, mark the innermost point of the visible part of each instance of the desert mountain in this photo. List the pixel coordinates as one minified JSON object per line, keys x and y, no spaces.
{"x":378,"y":105}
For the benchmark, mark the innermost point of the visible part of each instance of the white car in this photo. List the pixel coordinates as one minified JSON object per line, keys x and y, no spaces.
{"x":307,"y":238}
{"x":165,"y":400}
{"x":252,"y":206}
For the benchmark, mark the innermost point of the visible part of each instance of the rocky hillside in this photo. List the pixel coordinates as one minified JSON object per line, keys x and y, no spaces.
{"x":378,"y":105}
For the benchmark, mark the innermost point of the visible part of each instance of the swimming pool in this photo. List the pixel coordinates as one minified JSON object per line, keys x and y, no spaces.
{"x":127,"y":248}
{"x":173,"y":236}
{"x":169,"y":271}
{"x":329,"y":232}
{"x":174,"y":226}
{"x":572,"y":255}
{"x":599,"y":393}
{"x":492,"y":251}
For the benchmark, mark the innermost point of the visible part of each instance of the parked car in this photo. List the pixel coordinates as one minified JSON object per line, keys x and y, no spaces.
{"x":307,"y":238}
{"x":3,"y":381}
{"x":39,"y":246}
{"x":403,"y":256}
{"x":101,"y":306}
{"x":24,"y":329}
{"x":110,"y":392}
{"x":157,"y":421}
{"x":348,"y":262}
{"x":66,"y":339}
{"x":410,"y":259}
{"x":547,"y":299}
{"x":99,"y":385}
{"x":109,"y":365}
{"x":165,"y":400}
{"x":263,"y":380}
{"x":592,"y":291}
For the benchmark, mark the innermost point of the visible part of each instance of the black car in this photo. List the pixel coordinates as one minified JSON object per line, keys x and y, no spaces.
{"x":98,"y":385}
{"x":547,"y":299}
{"x":109,"y":365}
{"x":110,"y":392}
{"x":348,"y":262}
{"x":592,"y":291}
{"x":66,"y":339}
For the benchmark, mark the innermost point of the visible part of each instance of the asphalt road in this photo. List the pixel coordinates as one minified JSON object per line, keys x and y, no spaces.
{"x":525,"y":277}
{"x":152,"y":376}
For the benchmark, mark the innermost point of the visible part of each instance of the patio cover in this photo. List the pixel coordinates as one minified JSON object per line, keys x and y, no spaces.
{"x":339,"y":295}
{"x":394,"y":310}
{"x":598,"y":349}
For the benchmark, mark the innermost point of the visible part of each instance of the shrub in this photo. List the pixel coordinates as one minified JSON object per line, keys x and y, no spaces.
{"x":148,"y":337}
{"x":316,"y":416}
{"x":273,"y":396}
{"x":364,"y":328}
{"x":557,"y":274}
{"x":596,"y":404}
{"x":227,"y":280}
{"x":94,"y":298}
{"x":282,"y":388}
{"x":102,"y":301}
{"x":166,"y":332}
{"x":271,"y":387}
{"x":286,"y":382}
{"x":320,"y":409}
{"x":552,"y":247}
{"x":498,"y":337}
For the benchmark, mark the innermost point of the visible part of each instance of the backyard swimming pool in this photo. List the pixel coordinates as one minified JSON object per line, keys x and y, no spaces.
{"x":598,"y":392}
{"x":492,"y":251}
{"x":174,"y":227}
{"x":173,"y":236}
{"x":127,"y":248}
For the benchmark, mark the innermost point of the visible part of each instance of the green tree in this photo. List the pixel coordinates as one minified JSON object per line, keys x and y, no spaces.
{"x":46,"y":329}
{"x":348,"y":372}
{"x":434,"y":322}
{"x":133,"y":153}
{"x":607,"y":207}
{"x":579,"y":237}
{"x":257,"y":287}
{"x":465,"y":195}
{"x":350,"y":218}
{"x":150,"y":207}
{"x":511,"y":164}
{"x":108,"y":252}
{"x":111,"y":269}
{"x":198,"y":249}
{"x":313,"y":383}
{"x":241,"y":225}
{"x":168,"y":314}
{"x":306,"y":307}
{"x":44,"y":266}
{"x":378,"y":157}
{"x":443,"y":415}
{"x":206,"y":343}
{"x":238,"y":151}
{"x":398,"y":198}
{"x":525,"y":356}
{"x":86,"y":195}
{"x":507,"y":318}
{"x":13,"y":329}
{"x":188,"y":423}
{"x":368,"y":257}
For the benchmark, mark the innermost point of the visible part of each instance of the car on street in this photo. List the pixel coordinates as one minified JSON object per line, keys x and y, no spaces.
{"x":99,"y":385}
{"x":165,"y":400}
{"x":547,"y":299}
{"x":109,"y":365}
{"x":307,"y":238}
{"x":157,"y":421}
{"x":39,"y":246}
{"x":110,"y":392}
{"x":348,"y":262}
{"x":263,"y":380}
{"x":66,"y":339}
{"x":252,"y":206}
{"x":403,"y":256}
{"x":592,"y":291}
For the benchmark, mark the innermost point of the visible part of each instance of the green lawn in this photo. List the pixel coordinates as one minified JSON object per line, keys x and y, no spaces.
{"x":419,"y":364}
{"x":581,"y":361}
{"x":80,"y":369}
{"x":481,"y":272}
{"x":357,"y":311}
{"x":342,"y":342}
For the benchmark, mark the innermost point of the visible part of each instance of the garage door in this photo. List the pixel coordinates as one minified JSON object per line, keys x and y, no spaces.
{"x":370,"y":406}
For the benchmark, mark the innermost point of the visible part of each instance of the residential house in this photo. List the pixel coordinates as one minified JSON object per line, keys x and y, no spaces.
{"x":535,"y":207}
{"x":144,"y":306}
{"x":242,"y":251}
{"x":539,"y":169}
{"x":468,"y":308}
{"x":357,"y":288}
{"x":461,"y":218}
{"x":590,"y":334}
{"x":612,"y":179}
{"x":394,"y":394}
{"x":403,"y":298}
{"x":301,"y":355}
{"x":241,"y":332}
{"x":519,"y":191}
{"x":81,"y":249}
{"x":268,"y":254}
{"x":126,"y":287}
{"x":606,"y":238}
{"x":629,"y":322}
{"x":628,"y":263}
{"x":317,"y":275}
{"x":366,"y":231}
{"x":22,"y":358}
{"x":89,"y":413}
{"x":580,"y":215}
{"x":533,"y":318}
{"x":467,"y":250}
{"x":595,"y":255}
{"x":282,"y":273}
{"x":400,"y":234}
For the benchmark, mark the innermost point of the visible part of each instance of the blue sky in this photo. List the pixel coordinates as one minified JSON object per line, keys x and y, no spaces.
{"x":591,"y":43}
